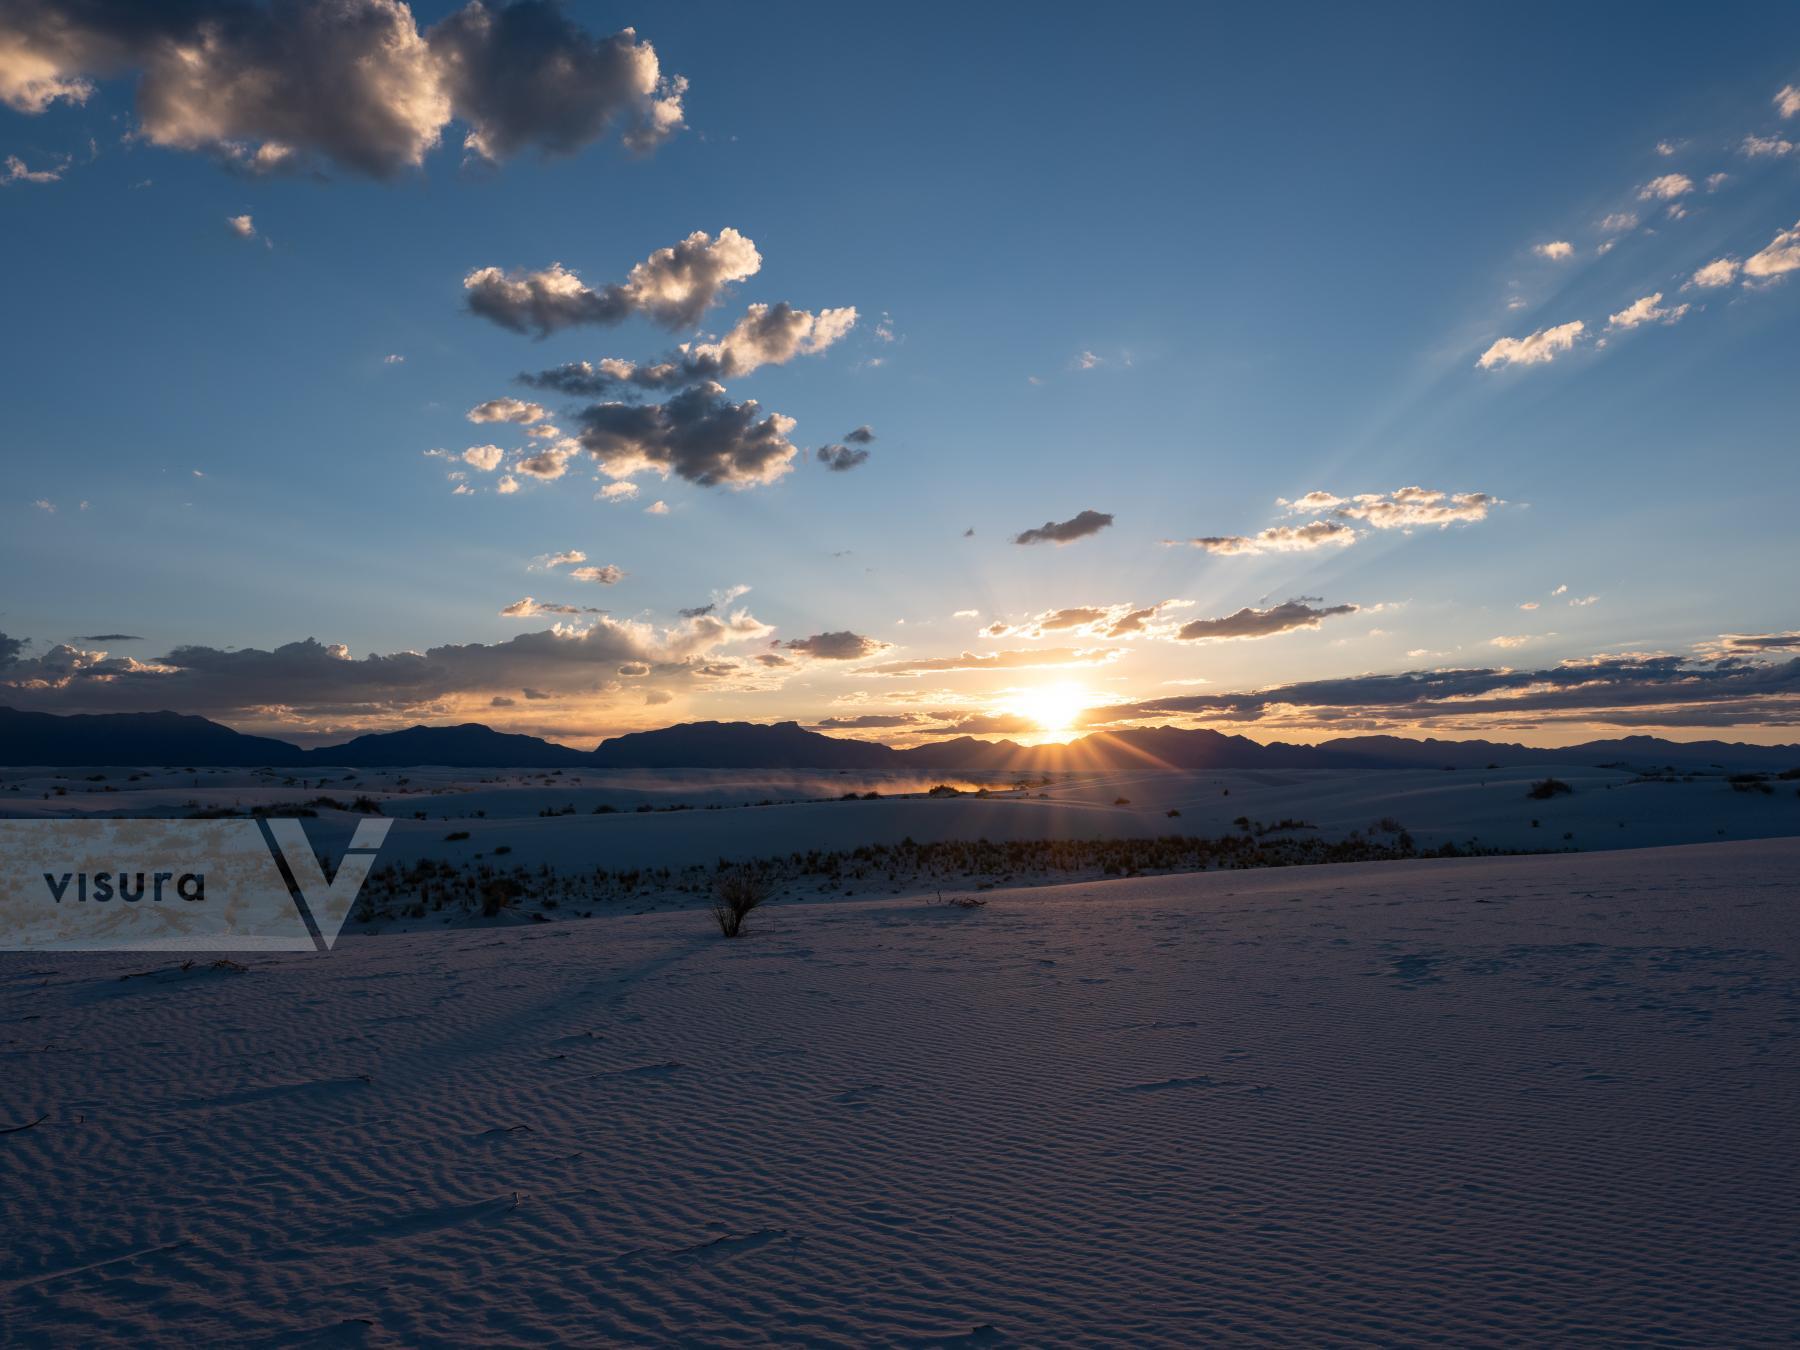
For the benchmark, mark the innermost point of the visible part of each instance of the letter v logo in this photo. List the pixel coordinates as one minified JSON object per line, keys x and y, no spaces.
{"x":324,"y":905}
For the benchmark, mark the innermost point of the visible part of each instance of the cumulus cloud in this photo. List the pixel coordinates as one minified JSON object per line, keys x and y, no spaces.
{"x":863,"y":435}
{"x":1647,"y":309}
{"x":484,"y":457}
{"x":1787,"y":101}
{"x":1315,"y":534}
{"x":617,"y":492}
{"x":767,"y":335}
{"x":1718,"y":272}
{"x":353,"y":82}
{"x":840,"y":458}
{"x":674,"y":286}
{"x":604,"y":575}
{"x":1557,"y":250}
{"x":1060,"y":532}
{"x":1403,"y":509}
{"x":1542,"y":346}
{"x":840,"y":646}
{"x":508,"y":410}
{"x":699,"y":435}
{"x":1765,"y":147}
{"x":546,"y":561}
{"x":1780,"y":257}
{"x":1666,"y":188}
{"x":1249,"y":623}
{"x":1619,"y":222}
{"x":242,"y":226}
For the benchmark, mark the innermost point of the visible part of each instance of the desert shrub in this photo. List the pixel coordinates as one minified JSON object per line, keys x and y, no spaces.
{"x":497,"y":893}
{"x":455,"y":835}
{"x":735,"y":894}
{"x":1547,"y":788}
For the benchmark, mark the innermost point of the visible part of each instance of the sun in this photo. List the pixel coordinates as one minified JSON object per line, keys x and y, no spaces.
{"x":1056,"y":708}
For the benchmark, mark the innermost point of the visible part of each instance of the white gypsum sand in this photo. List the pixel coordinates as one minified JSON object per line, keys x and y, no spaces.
{"x":1484,"y":1101}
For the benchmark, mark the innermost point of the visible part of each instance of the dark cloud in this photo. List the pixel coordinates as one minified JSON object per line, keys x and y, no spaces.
{"x":700,"y":435}
{"x":698,"y":610}
{"x":524,"y":76}
{"x":1757,"y":642}
{"x":354,"y":83}
{"x":841,"y":458}
{"x":867,"y":722}
{"x":310,"y":678}
{"x":11,"y":649}
{"x":110,"y":637}
{"x":1623,"y":690}
{"x":1260,"y":623}
{"x":840,"y":646}
{"x":991,"y":724}
{"x":863,"y":435}
{"x":674,"y":286}
{"x":1065,"y":531}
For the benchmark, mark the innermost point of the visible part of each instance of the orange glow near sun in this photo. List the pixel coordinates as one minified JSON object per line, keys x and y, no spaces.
{"x":1056,"y":708}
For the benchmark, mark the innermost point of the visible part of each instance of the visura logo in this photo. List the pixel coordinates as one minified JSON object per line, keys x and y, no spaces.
{"x":130,"y":887}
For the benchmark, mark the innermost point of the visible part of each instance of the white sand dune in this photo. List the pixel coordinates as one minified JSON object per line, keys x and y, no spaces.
{"x":1607,"y":809}
{"x":1534,"y":1100}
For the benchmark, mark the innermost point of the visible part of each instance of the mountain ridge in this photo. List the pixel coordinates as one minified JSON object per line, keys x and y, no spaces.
{"x":166,"y":738}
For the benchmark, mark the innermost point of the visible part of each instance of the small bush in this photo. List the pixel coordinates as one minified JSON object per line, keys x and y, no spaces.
{"x":455,"y":835}
{"x":735,"y":894}
{"x":1544,"y":790}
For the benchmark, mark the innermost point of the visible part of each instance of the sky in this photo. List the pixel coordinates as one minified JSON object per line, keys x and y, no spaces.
{"x":903,"y":372}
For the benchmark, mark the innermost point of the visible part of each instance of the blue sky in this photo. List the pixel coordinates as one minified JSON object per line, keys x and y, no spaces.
{"x":1164,"y":264}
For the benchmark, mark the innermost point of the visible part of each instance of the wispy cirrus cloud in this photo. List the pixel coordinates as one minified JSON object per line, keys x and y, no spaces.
{"x":1306,"y":538}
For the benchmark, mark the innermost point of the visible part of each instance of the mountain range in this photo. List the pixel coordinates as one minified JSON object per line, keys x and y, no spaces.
{"x":165,"y":738}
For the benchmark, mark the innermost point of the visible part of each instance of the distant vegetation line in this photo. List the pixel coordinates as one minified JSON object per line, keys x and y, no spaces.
{"x":431,"y":887}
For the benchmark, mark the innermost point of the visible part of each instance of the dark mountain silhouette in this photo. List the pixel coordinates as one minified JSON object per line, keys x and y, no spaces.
{"x":469,"y":746}
{"x":28,"y":738}
{"x":740,"y":745}
{"x":134,"y":738}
